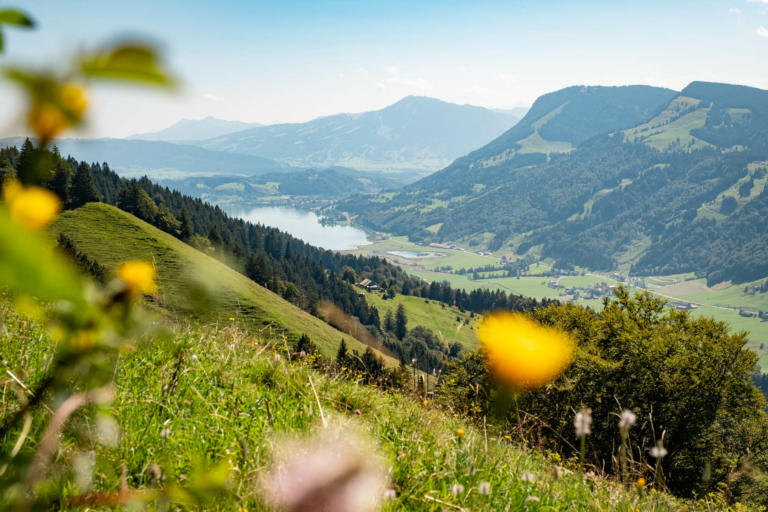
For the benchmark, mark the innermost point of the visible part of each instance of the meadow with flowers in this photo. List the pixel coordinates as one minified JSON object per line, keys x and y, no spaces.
{"x":128,"y":383}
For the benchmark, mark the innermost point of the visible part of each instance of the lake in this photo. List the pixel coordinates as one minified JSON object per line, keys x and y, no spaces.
{"x":303,"y":225}
{"x":417,"y":254}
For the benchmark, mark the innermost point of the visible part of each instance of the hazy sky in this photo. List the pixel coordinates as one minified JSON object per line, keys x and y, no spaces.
{"x":291,"y":61}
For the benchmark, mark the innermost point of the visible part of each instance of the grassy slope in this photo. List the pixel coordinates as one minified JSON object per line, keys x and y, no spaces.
{"x":111,"y":237}
{"x":235,"y":394}
{"x":431,"y":315}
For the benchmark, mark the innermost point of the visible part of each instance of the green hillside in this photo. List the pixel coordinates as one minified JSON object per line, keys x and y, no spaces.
{"x":444,"y":321}
{"x":232,"y":406}
{"x":111,"y":236}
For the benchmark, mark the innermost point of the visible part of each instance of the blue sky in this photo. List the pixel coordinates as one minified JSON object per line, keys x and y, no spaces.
{"x":291,"y":61}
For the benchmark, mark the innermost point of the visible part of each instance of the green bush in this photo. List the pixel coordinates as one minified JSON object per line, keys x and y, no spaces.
{"x":686,"y":378}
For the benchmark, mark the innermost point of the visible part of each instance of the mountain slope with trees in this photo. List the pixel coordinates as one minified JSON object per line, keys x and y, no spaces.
{"x":687,"y":182}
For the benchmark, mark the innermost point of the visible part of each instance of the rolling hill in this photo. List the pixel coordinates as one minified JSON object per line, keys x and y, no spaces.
{"x":110,"y":236}
{"x":195,"y":129}
{"x":679,"y":191}
{"x":160,"y":159}
{"x":416,"y":134}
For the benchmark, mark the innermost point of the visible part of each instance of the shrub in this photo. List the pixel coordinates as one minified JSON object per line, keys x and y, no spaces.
{"x":686,"y":377}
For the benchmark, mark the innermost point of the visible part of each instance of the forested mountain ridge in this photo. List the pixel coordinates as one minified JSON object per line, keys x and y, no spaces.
{"x":416,"y":133}
{"x":684,"y":185}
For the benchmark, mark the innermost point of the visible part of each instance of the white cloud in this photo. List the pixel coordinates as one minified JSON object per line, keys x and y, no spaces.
{"x":211,"y":97}
{"x":758,"y":1}
{"x":476,"y":89}
{"x":735,"y":10}
{"x":393,"y":70}
{"x":361,"y":71}
{"x":762,"y":32}
{"x":380,"y":86}
{"x":412,"y":83}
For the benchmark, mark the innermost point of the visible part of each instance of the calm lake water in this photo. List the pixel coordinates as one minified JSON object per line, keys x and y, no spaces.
{"x":303,"y":225}
{"x":417,"y":254}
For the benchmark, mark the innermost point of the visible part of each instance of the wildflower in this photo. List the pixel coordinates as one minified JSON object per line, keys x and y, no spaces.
{"x":138,"y":276}
{"x":640,"y":483}
{"x":357,"y":411}
{"x":165,"y":433}
{"x":277,"y":357}
{"x":457,"y":489}
{"x":194,"y":356}
{"x":231,"y":346}
{"x":231,"y":319}
{"x":390,"y":494}
{"x":32,"y":207}
{"x":339,"y":474}
{"x":583,"y":422}
{"x":626,"y":420}
{"x":522,"y":352}
{"x":658,"y":451}
{"x":528,"y":477}
{"x":460,"y":433}
{"x":484,"y":488}
{"x":413,"y":361}
{"x":302,"y":354}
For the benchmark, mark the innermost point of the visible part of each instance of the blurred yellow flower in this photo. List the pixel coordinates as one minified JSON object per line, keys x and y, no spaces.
{"x":460,"y":433}
{"x":522,"y":352}
{"x":641,"y":482}
{"x":139,"y":277}
{"x":31,"y":207}
{"x":50,"y":117}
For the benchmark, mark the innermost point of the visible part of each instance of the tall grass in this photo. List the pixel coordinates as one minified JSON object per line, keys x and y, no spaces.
{"x":199,"y":396}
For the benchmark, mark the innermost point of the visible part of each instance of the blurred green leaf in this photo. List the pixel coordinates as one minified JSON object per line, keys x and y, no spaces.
{"x":13,"y":17}
{"x":1,"y":40}
{"x":29,"y":265}
{"x":128,"y":62}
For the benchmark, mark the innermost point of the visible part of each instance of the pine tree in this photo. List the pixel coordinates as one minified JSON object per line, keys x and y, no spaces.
{"x":83,"y":188}
{"x":214,"y":236}
{"x":389,"y":321}
{"x":27,"y":162}
{"x":61,"y":180}
{"x":187,"y":230}
{"x":401,"y":322}
{"x":256,"y":269}
{"x":134,"y":200}
{"x":341,"y":354}
{"x":6,"y":171}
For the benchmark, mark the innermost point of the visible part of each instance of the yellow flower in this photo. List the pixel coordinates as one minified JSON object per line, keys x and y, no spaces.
{"x":139,"y":277}
{"x":73,"y":99}
{"x":231,"y":319}
{"x":47,"y":121}
{"x":522,"y":352}
{"x":51,"y":116}
{"x":460,"y":433}
{"x":640,"y":482}
{"x":31,"y":207}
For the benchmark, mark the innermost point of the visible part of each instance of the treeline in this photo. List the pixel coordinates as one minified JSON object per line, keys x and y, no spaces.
{"x":301,"y":273}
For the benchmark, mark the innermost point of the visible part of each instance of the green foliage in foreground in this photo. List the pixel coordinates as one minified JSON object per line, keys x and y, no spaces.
{"x":687,"y":379}
{"x":215,"y":398}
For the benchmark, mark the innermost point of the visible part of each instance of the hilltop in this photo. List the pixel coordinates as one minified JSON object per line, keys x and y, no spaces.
{"x":417,"y":135}
{"x":195,"y":129}
{"x":110,"y":236}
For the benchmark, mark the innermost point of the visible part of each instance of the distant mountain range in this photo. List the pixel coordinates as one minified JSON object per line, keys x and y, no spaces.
{"x":195,"y":129}
{"x":160,"y":159}
{"x":635,"y":178}
{"x":518,"y":112}
{"x":416,"y":134}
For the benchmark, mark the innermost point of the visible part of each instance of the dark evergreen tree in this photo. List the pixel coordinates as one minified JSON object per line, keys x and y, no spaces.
{"x":389,"y":321}
{"x":28,"y":162}
{"x":186,"y":229}
{"x":256,"y":269}
{"x":83,"y":189}
{"x":341,"y":354}
{"x":214,"y":236}
{"x":6,"y":171}
{"x":401,"y":322}
{"x":61,"y":180}
{"x":133,"y":199}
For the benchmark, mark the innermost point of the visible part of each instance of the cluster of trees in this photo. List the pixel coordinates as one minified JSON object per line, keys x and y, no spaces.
{"x":688,"y":378}
{"x":301,"y":273}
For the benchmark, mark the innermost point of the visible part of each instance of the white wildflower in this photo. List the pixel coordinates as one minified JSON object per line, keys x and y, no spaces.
{"x":457,"y":489}
{"x":528,"y":477}
{"x":583,"y":422}
{"x":658,"y":451}
{"x":484,"y":488}
{"x":390,"y":494}
{"x":626,"y":420}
